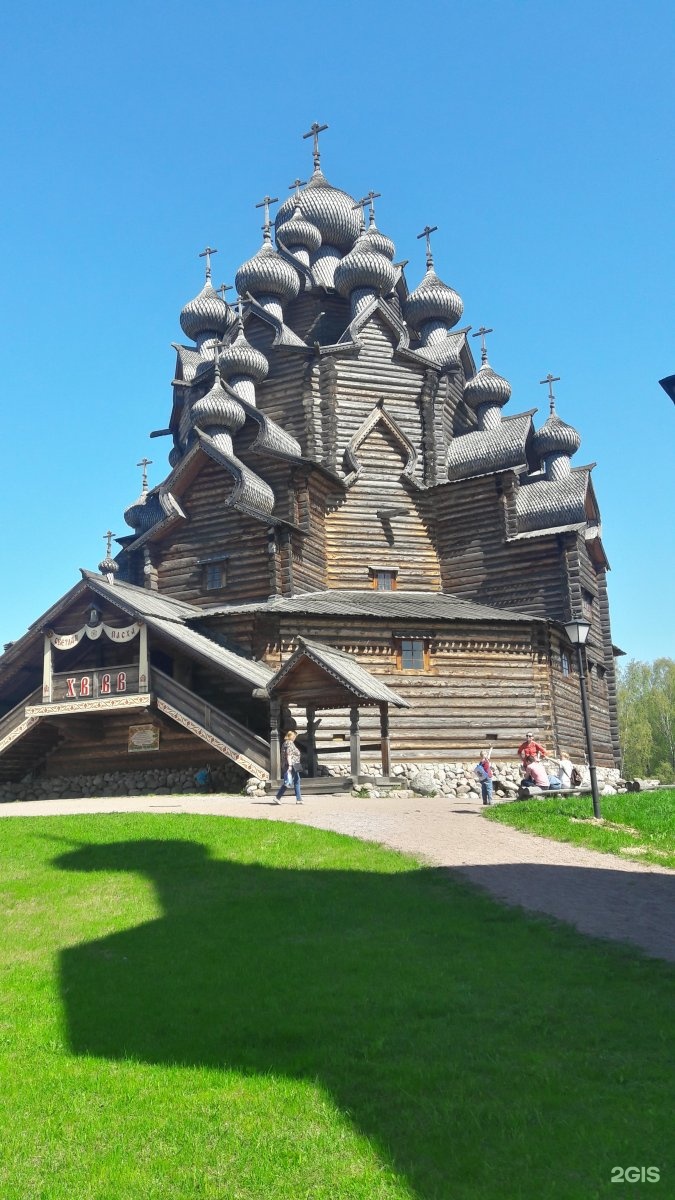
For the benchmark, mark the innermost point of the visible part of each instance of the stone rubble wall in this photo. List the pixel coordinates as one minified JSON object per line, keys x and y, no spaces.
{"x":156,"y":782}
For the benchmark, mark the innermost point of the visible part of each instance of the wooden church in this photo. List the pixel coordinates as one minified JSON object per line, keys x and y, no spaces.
{"x":355,"y":538}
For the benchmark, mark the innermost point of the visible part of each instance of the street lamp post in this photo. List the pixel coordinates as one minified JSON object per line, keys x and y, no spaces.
{"x":577,"y":632}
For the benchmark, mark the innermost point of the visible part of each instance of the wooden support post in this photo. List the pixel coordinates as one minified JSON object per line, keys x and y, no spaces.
{"x":275,"y":748}
{"x":312,"y":764}
{"x":143,"y":660}
{"x":354,"y":741}
{"x":384,"y":735}
{"x":47,"y":672}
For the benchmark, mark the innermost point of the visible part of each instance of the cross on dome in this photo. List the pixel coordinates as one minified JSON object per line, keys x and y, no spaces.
{"x":206,"y":253}
{"x":224,"y":287}
{"x":481,"y":334}
{"x":297,"y":184}
{"x":426,"y":233}
{"x":314,"y":130}
{"x":550,"y":380}
{"x":108,"y":537}
{"x":144,"y":464}
{"x":265,"y":203}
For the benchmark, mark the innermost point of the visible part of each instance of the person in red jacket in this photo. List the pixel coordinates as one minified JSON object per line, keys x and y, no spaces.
{"x":530,"y":749}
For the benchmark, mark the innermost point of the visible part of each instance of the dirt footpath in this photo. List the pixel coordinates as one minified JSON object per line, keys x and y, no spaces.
{"x":598,"y":893}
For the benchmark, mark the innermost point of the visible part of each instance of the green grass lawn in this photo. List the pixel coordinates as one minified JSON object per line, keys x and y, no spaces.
{"x":638,"y":825}
{"x":200,"y":1007}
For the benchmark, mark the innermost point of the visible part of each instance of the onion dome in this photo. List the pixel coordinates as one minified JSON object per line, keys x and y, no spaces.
{"x":433,"y":300}
{"x":207,"y":313}
{"x":487,"y":387}
{"x":327,"y":207}
{"x":299,"y":232}
{"x":267,"y":274}
{"x":241,"y":358}
{"x":378,"y":241}
{"x":217,"y":409}
{"x":108,"y":566}
{"x":364,"y":267}
{"x":555,"y":437}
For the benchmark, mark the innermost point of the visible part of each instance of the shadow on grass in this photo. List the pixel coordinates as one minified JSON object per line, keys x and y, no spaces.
{"x":459,"y":1038}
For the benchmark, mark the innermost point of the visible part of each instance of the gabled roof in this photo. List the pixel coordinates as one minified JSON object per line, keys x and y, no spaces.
{"x":141,"y":602}
{"x":342,"y":667}
{"x":397,"y":605}
{"x":486,"y":450}
{"x":196,"y":644}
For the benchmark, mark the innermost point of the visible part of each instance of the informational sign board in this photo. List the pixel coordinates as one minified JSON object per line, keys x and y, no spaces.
{"x":142,"y":738}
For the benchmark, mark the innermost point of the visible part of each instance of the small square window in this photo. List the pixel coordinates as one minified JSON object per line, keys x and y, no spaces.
{"x":383,"y":578}
{"x":412,"y":654}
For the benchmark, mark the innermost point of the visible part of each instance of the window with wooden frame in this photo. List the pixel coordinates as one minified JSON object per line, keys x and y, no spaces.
{"x":214,"y":572}
{"x":383,"y":579}
{"x":412,"y":654}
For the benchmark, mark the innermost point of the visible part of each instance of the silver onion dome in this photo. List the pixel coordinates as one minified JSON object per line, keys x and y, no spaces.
{"x":217,"y":409}
{"x":298,"y":232}
{"x":364,"y":267}
{"x":108,"y":566}
{"x":555,"y":437}
{"x":433,"y":300}
{"x":144,"y":513}
{"x":378,"y":241}
{"x":327,"y":207}
{"x":207,"y":313}
{"x":487,"y":387}
{"x":267,"y":274}
{"x":241,"y":358}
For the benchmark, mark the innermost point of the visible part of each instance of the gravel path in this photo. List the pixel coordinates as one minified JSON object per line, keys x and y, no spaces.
{"x":600,"y":894}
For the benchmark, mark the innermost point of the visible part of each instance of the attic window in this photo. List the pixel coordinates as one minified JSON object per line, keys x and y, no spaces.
{"x":214,"y":572}
{"x":383,"y":579}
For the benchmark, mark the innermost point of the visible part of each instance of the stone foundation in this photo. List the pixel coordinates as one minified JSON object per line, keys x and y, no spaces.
{"x":157,"y":782}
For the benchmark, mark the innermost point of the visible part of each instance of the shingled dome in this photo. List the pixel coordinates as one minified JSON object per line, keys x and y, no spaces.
{"x":364,"y":267}
{"x":555,"y":437}
{"x":207,"y":313}
{"x":327,"y":207}
{"x":298,"y":232}
{"x":487,"y":387}
{"x":379,"y":241}
{"x":241,"y":358}
{"x":217,"y":409}
{"x":433,"y":300}
{"x":267,"y":274}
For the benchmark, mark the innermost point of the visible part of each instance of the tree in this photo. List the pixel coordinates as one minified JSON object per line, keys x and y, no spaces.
{"x":646,"y":696}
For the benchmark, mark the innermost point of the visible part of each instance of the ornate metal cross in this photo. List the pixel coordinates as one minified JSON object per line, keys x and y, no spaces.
{"x":426,"y":233}
{"x":206,"y":253}
{"x":265,"y":203}
{"x":314,"y":132}
{"x":481,"y":334}
{"x":550,"y":380}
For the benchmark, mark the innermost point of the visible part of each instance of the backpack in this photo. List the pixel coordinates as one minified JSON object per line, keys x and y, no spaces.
{"x":575,"y":777}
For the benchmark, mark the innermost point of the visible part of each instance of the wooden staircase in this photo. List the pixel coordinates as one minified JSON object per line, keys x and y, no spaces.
{"x":24,"y":741}
{"x":213,"y":726}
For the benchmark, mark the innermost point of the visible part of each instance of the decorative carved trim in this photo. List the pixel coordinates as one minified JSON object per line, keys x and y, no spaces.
{"x":377,"y":416}
{"x":80,"y":706}
{"x":211,"y":739}
{"x":17,"y":732}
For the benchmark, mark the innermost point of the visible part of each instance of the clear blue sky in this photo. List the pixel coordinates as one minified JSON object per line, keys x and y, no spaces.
{"x":537,"y":136}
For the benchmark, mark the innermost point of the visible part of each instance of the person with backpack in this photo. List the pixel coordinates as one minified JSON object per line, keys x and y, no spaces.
{"x":483,"y":772}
